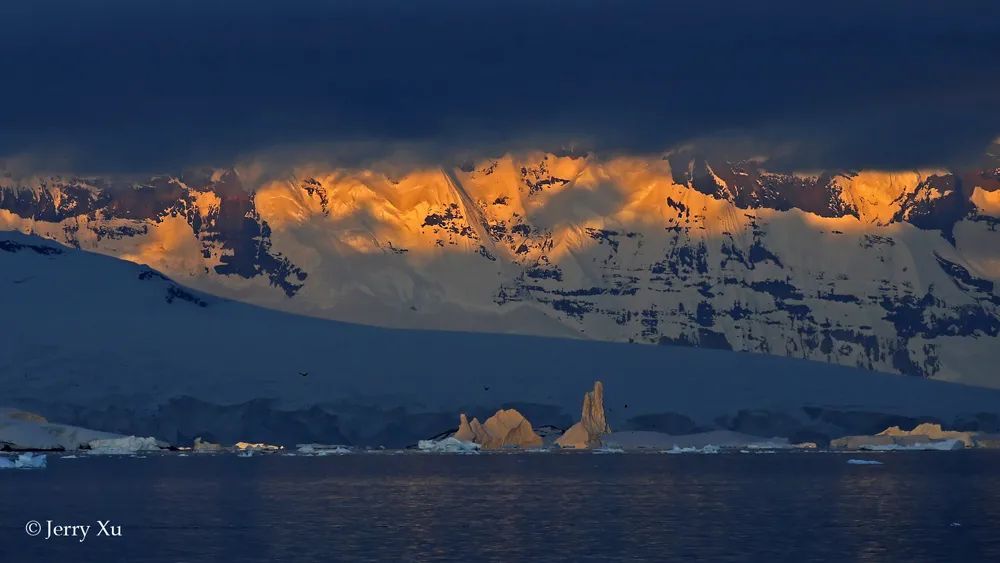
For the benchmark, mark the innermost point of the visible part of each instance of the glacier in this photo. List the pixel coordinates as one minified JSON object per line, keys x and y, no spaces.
{"x":107,"y":344}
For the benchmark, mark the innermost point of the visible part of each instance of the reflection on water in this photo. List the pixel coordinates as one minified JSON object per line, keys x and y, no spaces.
{"x":796,"y":507}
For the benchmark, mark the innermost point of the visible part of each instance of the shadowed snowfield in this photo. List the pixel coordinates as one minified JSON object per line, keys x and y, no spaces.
{"x":113,"y":346}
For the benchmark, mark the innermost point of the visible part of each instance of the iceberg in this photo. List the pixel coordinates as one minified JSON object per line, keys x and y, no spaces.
{"x":322,"y":449}
{"x":123,"y":446}
{"x":448,"y":445}
{"x":505,"y":429}
{"x":863,"y":462}
{"x":202,"y":446}
{"x":925,"y":436}
{"x":593,"y":424}
{"x":933,"y":432}
{"x":258,"y":446}
{"x":24,"y":461}
{"x":939,"y":445}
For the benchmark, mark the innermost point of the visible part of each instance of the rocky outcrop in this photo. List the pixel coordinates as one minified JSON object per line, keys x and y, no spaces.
{"x":593,"y":424}
{"x":505,"y":429}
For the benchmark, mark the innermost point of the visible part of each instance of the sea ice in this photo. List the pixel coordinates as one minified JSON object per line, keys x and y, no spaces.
{"x":707,"y":449}
{"x":863,"y":462}
{"x":448,"y":445}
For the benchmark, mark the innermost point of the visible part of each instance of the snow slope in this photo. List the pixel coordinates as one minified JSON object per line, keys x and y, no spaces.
{"x":110,"y":345}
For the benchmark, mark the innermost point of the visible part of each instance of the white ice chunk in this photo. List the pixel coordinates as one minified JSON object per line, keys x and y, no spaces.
{"x":863,"y":462}
{"x":322,"y":449}
{"x":448,"y":445}
{"x":24,"y":461}
{"x":706,"y":449}
{"x":943,"y":445}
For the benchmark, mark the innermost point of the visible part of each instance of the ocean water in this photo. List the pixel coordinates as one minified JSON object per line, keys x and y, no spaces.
{"x":915,"y":507}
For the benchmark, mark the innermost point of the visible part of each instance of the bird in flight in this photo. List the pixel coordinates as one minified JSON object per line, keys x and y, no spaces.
{"x":303,"y":373}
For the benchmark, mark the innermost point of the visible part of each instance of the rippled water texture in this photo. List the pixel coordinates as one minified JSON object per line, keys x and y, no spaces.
{"x":927,"y":506}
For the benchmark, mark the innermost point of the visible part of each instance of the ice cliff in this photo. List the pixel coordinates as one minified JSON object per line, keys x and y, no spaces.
{"x":592,"y":426}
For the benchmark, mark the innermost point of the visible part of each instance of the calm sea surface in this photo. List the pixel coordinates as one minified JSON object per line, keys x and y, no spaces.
{"x":927,"y":506}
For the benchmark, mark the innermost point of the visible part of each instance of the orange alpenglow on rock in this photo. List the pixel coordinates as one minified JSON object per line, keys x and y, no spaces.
{"x":592,"y":426}
{"x":505,"y":429}
{"x":933,"y":432}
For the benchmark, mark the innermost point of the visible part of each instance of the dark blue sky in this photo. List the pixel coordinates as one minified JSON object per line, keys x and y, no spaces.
{"x":154,"y":84}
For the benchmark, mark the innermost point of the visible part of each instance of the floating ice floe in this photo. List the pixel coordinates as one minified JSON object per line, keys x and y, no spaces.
{"x":127,"y":445}
{"x":24,"y":461}
{"x":448,"y":445}
{"x":863,"y":462}
{"x":707,"y":449}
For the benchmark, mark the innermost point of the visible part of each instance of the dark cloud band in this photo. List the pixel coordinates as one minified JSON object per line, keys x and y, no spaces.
{"x":143,"y":85}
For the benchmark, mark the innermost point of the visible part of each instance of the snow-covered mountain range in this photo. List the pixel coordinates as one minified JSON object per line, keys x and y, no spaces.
{"x":888,"y":271}
{"x":106,"y":344}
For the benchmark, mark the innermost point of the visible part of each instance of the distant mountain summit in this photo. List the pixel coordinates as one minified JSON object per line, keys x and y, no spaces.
{"x":889,"y":271}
